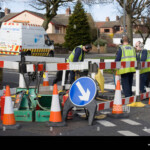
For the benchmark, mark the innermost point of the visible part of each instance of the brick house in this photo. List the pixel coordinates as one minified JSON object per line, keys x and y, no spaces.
{"x":109,"y":28}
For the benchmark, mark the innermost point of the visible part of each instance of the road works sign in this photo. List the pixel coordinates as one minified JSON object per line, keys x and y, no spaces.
{"x":82,"y":91}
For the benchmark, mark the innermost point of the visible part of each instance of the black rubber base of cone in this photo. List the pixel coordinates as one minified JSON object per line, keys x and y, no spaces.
{"x":10,"y":127}
{"x":118,"y":116}
{"x":56,"y":124}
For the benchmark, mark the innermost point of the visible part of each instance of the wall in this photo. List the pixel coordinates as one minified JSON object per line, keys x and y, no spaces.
{"x":58,"y":38}
{"x":25,"y":16}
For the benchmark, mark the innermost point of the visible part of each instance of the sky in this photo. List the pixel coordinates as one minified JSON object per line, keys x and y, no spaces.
{"x":99,"y":12}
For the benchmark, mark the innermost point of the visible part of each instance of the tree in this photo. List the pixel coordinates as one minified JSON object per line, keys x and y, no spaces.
{"x":51,"y":7}
{"x":78,"y":29}
{"x":146,"y":23}
{"x":134,"y":10}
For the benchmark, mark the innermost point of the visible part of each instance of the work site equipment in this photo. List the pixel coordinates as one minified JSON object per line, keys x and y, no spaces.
{"x":27,"y":97}
{"x":45,"y":79}
{"x":83,"y":91}
{"x":55,"y":111}
{"x":9,"y":121}
{"x":117,"y":110}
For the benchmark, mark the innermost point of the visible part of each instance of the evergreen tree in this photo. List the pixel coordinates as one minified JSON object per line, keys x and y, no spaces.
{"x":78,"y":29}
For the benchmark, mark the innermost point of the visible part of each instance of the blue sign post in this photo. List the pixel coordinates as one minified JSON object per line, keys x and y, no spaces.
{"x":82,"y":91}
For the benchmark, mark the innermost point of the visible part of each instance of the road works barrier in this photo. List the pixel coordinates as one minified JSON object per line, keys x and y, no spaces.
{"x":25,"y":67}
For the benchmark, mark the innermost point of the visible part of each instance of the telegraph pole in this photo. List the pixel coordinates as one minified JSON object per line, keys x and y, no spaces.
{"x":124,"y":16}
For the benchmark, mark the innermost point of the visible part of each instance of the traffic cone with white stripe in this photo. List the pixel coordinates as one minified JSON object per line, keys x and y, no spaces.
{"x":116,"y":78}
{"x":117,"y":110}
{"x":55,"y":118}
{"x":45,"y":79}
{"x":8,"y":116}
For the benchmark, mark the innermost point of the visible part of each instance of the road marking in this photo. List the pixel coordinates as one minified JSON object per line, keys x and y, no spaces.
{"x":127,"y":133}
{"x":131,"y":122}
{"x":106,"y":123}
{"x":146,"y":130}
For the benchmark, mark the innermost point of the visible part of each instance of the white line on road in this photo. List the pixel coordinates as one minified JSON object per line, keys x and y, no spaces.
{"x":146,"y":130}
{"x":131,"y":122}
{"x":127,"y":133}
{"x":106,"y":123}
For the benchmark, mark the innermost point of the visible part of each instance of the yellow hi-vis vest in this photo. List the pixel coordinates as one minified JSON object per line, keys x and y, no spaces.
{"x":144,"y":70}
{"x":128,"y":54}
{"x":71,"y":56}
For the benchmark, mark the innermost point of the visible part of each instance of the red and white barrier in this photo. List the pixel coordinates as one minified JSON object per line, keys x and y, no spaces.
{"x":125,"y":101}
{"x":117,"y":65}
{"x":73,"y":65}
{"x":59,"y":66}
{"x":9,"y":65}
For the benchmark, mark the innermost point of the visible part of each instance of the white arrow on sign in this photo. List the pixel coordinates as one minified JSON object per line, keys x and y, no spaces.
{"x":85,"y":95}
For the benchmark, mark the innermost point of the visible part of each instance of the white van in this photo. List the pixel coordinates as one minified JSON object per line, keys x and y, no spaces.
{"x":22,"y":37}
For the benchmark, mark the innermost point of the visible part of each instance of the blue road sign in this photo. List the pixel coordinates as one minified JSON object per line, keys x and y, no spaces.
{"x":82,"y":91}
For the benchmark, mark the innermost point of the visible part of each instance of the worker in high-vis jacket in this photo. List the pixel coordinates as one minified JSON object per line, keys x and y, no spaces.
{"x":125,"y":53}
{"x":77,"y":55}
{"x":144,"y":56}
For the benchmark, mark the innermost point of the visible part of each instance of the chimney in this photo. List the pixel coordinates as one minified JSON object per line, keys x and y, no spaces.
{"x":117,"y":18}
{"x":68,"y":11}
{"x":7,"y":11}
{"x":107,"y":19}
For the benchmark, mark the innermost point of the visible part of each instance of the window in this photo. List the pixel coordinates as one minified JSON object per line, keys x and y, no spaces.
{"x":56,"y":29}
{"x":106,"y":30}
{"x":117,"y":28}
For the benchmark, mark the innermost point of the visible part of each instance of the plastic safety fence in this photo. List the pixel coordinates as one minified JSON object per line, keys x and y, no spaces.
{"x":9,"y":65}
{"x":73,"y":65}
{"x":117,"y":65}
{"x":125,"y":101}
{"x":59,"y":66}
{"x":123,"y":64}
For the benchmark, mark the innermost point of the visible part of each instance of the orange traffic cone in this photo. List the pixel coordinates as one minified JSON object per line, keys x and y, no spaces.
{"x":45,"y":79}
{"x":8,"y":116}
{"x":116,"y":78}
{"x":149,"y":101}
{"x":117,"y":110}
{"x":2,"y":105}
{"x":55,"y":112}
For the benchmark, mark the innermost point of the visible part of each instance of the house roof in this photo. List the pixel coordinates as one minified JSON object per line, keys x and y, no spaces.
{"x":7,"y":17}
{"x":99,"y":24}
{"x":60,"y":19}
{"x":110,"y":24}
